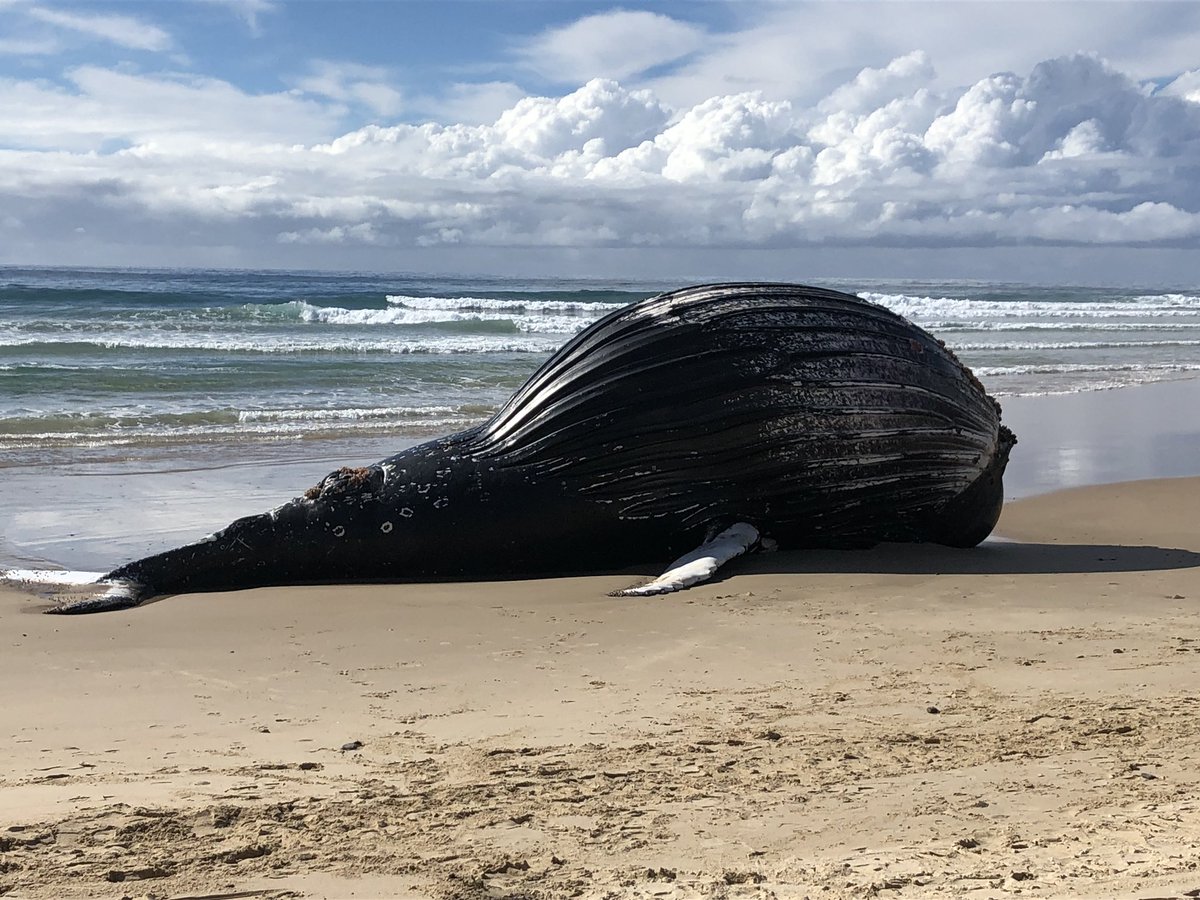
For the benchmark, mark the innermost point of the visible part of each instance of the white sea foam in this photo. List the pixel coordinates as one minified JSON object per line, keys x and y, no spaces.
{"x":401,"y":315}
{"x":490,"y":304}
{"x":921,"y":309}
{"x":1082,"y":368}
{"x":1192,"y":299}
{"x":291,"y":343}
{"x":308,"y":427}
{"x":1047,"y":325}
{"x":392,"y":413}
{"x":1066,"y":345}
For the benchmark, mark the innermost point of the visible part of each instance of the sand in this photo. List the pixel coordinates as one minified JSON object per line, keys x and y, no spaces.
{"x":908,"y":721}
{"x":1021,"y":718}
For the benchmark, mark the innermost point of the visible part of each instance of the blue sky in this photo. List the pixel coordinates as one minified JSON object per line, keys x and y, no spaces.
{"x":1045,"y":141}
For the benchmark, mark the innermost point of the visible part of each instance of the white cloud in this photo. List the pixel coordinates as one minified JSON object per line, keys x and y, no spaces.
{"x":800,"y":51}
{"x":601,"y":110}
{"x":872,"y":88}
{"x":29,"y":46}
{"x":986,"y":125}
{"x":105,"y":107}
{"x":616,"y":44}
{"x":723,"y":139}
{"x":249,"y":11}
{"x":123,"y":30}
{"x":1085,"y":139}
{"x":1006,"y":120}
{"x":473,"y":103}
{"x":353,"y":83}
{"x":362,"y":233}
{"x":1186,"y":86}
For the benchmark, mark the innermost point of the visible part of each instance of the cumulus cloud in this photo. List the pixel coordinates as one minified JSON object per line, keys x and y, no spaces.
{"x":723,"y":139}
{"x":1187,"y":86}
{"x":1073,"y":152}
{"x":603,"y":111}
{"x":872,"y":88}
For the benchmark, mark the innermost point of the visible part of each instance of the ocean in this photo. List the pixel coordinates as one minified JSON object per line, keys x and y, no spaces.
{"x":128,"y":360}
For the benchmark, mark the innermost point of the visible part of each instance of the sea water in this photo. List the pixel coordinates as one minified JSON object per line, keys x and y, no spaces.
{"x":112,"y":358}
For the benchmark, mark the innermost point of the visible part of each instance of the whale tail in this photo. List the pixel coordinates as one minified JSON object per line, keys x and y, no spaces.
{"x":276,"y":547}
{"x":74,"y":591}
{"x":117,"y":594}
{"x":204,"y":565}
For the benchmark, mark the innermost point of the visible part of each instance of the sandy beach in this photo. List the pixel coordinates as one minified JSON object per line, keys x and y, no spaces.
{"x":909,"y":721}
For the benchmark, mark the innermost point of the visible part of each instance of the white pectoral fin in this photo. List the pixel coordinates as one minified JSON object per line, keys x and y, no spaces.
{"x":701,"y":563}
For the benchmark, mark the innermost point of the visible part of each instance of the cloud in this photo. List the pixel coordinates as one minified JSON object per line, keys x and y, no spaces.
{"x":1009,"y":121}
{"x":603,"y":111}
{"x":1073,"y":152}
{"x":105,"y":108}
{"x":472,"y":103}
{"x":616,"y":44}
{"x":249,"y":11}
{"x":723,"y":139}
{"x":353,"y":83}
{"x":125,"y":31}
{"x":363,"y":233}
{"x":1186,"y":86}
{"x":873,"y":88}
{"x":801,"y":51}
{"x":29,"y":46}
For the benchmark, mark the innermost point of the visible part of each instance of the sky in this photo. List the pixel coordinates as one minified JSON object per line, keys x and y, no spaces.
{"x":1025,"y":141}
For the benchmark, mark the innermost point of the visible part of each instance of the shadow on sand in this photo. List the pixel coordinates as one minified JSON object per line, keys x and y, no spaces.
{"x":989,"y":558}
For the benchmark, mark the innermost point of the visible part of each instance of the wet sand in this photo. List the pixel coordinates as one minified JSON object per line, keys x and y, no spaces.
{"x":1020,"y":718}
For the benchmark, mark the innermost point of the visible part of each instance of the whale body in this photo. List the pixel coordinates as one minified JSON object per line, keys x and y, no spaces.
{"x":726,"y":417}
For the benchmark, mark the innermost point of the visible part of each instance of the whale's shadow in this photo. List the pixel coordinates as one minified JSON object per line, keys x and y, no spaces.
{"x":989,"y":558}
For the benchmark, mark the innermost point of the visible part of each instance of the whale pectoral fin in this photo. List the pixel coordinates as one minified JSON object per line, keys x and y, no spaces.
{"x":66,"y":588}
{"x":701,"y":563}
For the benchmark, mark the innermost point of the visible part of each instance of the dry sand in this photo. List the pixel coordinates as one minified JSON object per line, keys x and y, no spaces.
{"x":1021,"y":718}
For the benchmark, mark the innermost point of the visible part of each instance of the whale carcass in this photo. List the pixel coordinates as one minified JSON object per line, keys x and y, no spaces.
{"x":715,"y":419}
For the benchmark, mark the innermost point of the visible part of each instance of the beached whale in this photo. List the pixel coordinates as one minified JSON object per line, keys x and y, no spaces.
{"x":716,"y":419}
